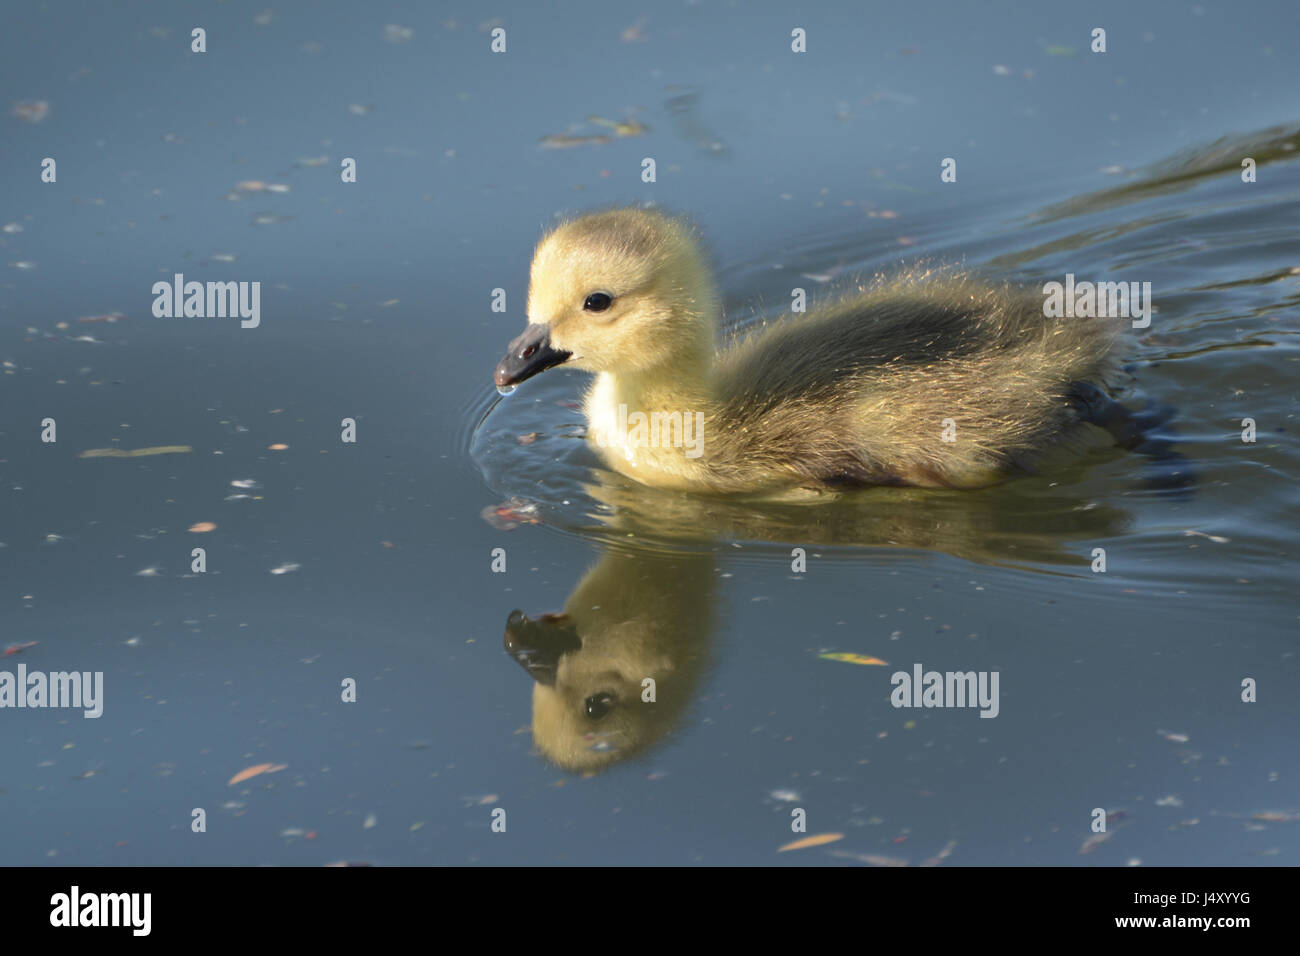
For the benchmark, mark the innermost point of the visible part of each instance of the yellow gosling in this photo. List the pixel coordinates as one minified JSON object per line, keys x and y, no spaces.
{"x":929,"y":380}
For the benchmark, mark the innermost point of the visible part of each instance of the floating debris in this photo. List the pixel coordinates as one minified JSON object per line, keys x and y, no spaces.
{"x":110,"y":317}
{"x":245,"y":483}
{"x":567,"y":141}
{"x":255,"y":770}
{"x":1175,"y":738}
{"x":394,"y":33}
{"x":13,"y":649}
{"x":286,"y":568}
{"x":510,"y":514}
{"x":621,"y":129}
{"x":1264,"y":816}
{"x":135,"y":452}
{"x":278,"y":446}
{"x":941,"y":855}
{"x":11,"y":227}
{"x":202,"y":527}
{"x":1113,"y":819}
{"x":256,"y":186}
{"x":785,"y":796}
{"x":1201,"y":534}
{"x":874,"y":859}
{"x":625,"y":128}
{"x":635,"y":33}
{"x":818,"y":840}
{"x":31,"y":111}
{"x":1094,"y":841}
{"x":854,"y":659}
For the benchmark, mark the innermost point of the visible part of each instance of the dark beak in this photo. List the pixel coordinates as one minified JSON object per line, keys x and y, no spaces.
{"x":537,"y":645}
{"x":527,"y":355}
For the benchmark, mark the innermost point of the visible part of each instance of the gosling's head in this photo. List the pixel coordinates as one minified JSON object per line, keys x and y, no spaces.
{"x":588,"y":669}
{"x":633,"y":616}
{"x":625,"y":291}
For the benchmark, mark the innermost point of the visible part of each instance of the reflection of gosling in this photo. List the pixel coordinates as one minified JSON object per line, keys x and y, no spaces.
{"x":927,"y":380}
{"x":631,"y":618}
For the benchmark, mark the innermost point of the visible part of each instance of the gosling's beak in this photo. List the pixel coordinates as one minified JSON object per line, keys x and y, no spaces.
{"x":538,"y":644}
{"x":527,"y":355}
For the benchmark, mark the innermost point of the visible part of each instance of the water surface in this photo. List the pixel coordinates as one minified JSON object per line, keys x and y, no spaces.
{"x":1118,"y":690}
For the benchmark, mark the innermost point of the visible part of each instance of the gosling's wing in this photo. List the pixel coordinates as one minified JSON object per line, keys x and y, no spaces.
{"x":860,"y":392}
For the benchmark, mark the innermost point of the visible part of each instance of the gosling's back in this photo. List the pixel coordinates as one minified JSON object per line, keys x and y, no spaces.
{"x":924,"y":380}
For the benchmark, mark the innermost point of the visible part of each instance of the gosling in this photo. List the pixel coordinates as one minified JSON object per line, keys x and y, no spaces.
{"x":929,"y":380}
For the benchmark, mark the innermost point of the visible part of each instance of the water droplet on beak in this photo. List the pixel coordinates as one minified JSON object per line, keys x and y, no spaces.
{"x":506,"y":389}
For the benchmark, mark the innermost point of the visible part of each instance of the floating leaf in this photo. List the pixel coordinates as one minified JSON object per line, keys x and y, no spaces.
{"x":818,"y":840}
{"x":135,"y":452}
{"x":1094,"y":841}
{"x":874,"y":859}
{"x":254,"y":771}
{"x":854,"y":659}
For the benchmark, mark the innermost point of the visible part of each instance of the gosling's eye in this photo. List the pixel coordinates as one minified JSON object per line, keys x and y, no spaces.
{"x":597,"y":302}
{"x":598,"y":705}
